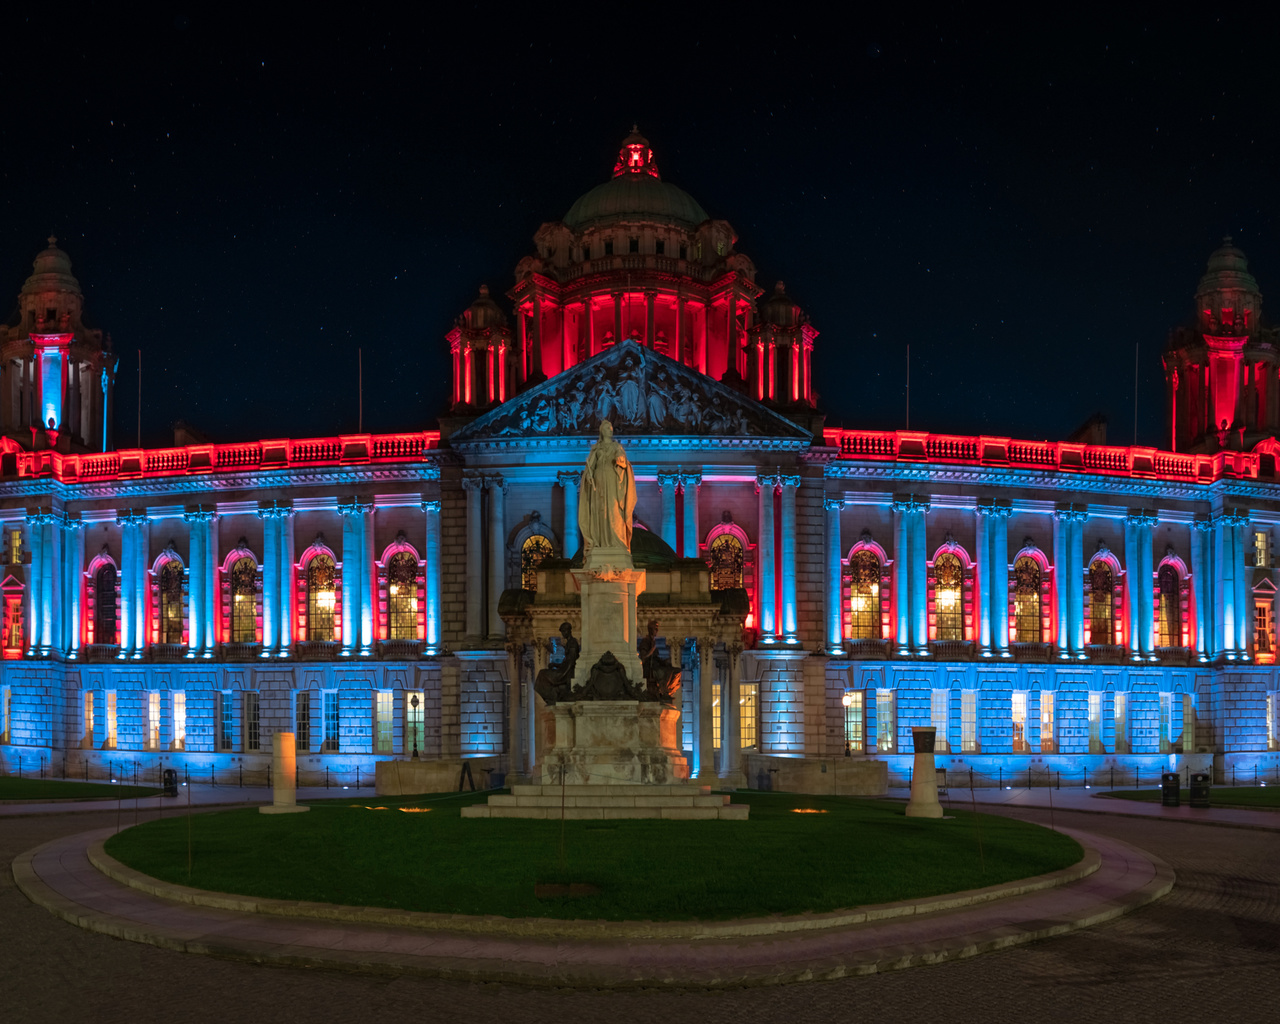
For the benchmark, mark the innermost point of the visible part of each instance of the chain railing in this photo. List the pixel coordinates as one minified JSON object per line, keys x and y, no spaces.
{"x":1108,"y":778}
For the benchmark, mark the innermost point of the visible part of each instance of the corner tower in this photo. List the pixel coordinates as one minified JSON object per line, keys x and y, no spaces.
{"x":57,"y":376}
{"x":1221,"y":373}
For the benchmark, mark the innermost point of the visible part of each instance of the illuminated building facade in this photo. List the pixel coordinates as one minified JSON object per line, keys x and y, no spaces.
{"x":1045,"y":605}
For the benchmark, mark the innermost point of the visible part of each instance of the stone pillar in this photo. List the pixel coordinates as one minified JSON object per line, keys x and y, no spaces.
{"x":690,"y":484}
{"x":129,"y":562}
{"x":35,"y":597}
{"x":211,"y":584}
{"x":682,"y":341}
{"x":368,"y":582}
{"x":1133,"y":583}
{"x":1243,"y":600}
{"x":1000,"y":578}
{"x":431,"y":510}
{"x":1137,"y":542}
{"x":284,"y":775}
{"x":352,"y":573}
{"x":667,"y":483}
{"x":919,"y":579}
{"x":1075,"y":565}
{"x":270,"y":579}
{"x":790,"y":622}
{"x":497,"y":554}
{"x":52,"y":572}
{"x":515,"y":665}
{"x":617,"y":317}
{"x":835,"y":570}
{"x":288,"y":593}
{"x":982,"y":517}
{"x":197,"y":524}
{"x":650,"y":333}
{"x":731,"y":773}
{"x":1061,"y":580}
{"x":475,"y":562}
{"x":569,"y":481}
{"x":1201,"y":589}
{"x":901,"y":580}
{"x":924,"y":776}
{"x":766,"y":586}
{"x":74,"y":575}
{"x":141,"y":634}
{"x":706,"y":734}
{"x":1149,"y":638}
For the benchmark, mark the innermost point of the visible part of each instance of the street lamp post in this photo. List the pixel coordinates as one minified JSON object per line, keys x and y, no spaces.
{"x":847,"y":700}
{"x":413,"y":703}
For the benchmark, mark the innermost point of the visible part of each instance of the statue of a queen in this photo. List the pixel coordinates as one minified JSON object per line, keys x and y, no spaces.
{"x":607,"y":496}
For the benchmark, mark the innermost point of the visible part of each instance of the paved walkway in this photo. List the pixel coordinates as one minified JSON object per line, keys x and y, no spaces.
{"x":1096,"y":802}
{"x":59,"y":876}
{"x":198,"y":795}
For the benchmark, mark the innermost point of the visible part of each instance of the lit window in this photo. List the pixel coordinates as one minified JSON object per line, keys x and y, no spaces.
{"x":1273,"y":725}
{"x":226,"y":734}
{"x":111,"y":721}
{"x":1262,"y":549}
{"x":886,"y":722}
{"x":1048,"y":744}
{"x":1019,"y":713}
{"x":153,"y":721}
{"x":1095,"y":724}
{"x":1026,"y":600}
{"x":939,"y":718}
{"x":1122,"y":723}
{"x":948,"y":579}
{"x":748,"y":703}
{"x":715,"y":716}
{"x":88,"y":720}
{"x":1264,"y":639}
{"x":302,"y":721}
{"x":15,"y":547}
{"x":331,"y":721}
{"x":532,"y":553}
{"x":244,"y":590}
{"x":321,"y":598}
{"x":853,"y":720}
{"x":969,"y":721}
{"x":104,"y":605}
{"x":1170,"y":612}
{"x":180,"y":720}
{"x":383,"y":722}
{"x":1166,"y":723}
{"x":726,"y":562}
{"x":1189,"y":724}
{"x":5,"y":715}
{"x":865,"y":596}
{"x":1101,"y":597}
{"x":171,"y":602}
{"x":252,"y":721}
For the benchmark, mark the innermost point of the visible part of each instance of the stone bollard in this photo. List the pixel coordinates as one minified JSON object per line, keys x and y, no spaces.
{"x":284,"y":776}
{"x":924,"y":777}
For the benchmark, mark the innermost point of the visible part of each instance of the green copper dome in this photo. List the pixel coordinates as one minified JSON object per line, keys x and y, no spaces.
{"x":636,"y":191}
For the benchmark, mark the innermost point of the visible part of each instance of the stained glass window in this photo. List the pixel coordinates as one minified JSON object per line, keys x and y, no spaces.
{"x":726,"y":563}
{"x":1026,"y":599}
{"x":171,"y":602}
{"x":321,"y":598}
{"x":865,"y":596}
{"x":535,"y":549}
{"x":402,"y":597}
{"x":244,"y":590}
{"x":948,"y":581}
{"x":1101,"y":596}
{"x":1170,"y":607}
{"x":104,"y":605}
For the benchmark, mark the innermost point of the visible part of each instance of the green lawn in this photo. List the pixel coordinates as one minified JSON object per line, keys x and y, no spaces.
{"x":55,"y":789}
{"x":858,"y":852}
{"x":1259,"y":797}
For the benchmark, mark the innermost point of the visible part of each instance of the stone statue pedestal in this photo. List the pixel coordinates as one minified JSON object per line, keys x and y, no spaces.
{"x":613,"y":742}
{"x":609,"y":584}
{"x":284,"y":776}
{"x":924,"y":776}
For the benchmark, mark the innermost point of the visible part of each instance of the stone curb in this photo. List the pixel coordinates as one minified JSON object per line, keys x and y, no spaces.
{"x":552,"y":928}
{"x":610,"y":976}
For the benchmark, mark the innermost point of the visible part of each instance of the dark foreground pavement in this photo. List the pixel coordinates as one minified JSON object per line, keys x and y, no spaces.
{"x":1210,"y":948}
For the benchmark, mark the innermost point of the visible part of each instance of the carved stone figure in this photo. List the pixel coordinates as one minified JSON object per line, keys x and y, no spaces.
{"x":661,"y":679}
{"x":607,"y":495}
{"x":555,"y":683}
{"x":631,"y":399}
{"x":608,"y":681}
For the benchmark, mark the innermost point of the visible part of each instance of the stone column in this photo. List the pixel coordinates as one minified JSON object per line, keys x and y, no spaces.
{"x":35,"y":597}
{"x":766,"y":587}
{"x":475,"y":562}
{"x":270,"y":579}
{"x":690,"y":484}
{"x":352,"y":558}
{"x":617,"y":317}
{"x":497,"y":554}
{"x":1133,"y":583}
{"x":650,"y":332}
{"x":919,"y":579}
{"x":1000,"y":578}
{"x":431,"y":510}
{"x":74,"y":575}
{"x":211,"y":584}
{"x":515,"y":665}
{"x":368,"y":582}
{"x":1243,"y":600}
{"x":535,"y":320}
{"x":196,"y":569}
{"x":790,"y":624}
{"x":569,"y":481}
{"x":667,"y":488}
{"x":142,"y":574}
{"x":1137,"y":541}
{"x":1075,"y":565}
{"x":1201,"y":587}
{"x":706,"y":735}
{"x":52,"y":571}
{"x":128,"y":567}
{"x":731,"y":728}
{"x":901,"y":580}
{"x":835,"y":569}
{"x":982,"y":516}
{"x":682,"y":340}
{"x":288,"y":593}
{"x":1061,"y":580}
{"x":1149,"y":638}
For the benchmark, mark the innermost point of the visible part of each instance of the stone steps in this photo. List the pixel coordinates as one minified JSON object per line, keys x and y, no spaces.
{"x":673,"y":802}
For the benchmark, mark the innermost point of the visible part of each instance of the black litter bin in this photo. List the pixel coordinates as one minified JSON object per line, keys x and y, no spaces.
{"x":170,"y":782}
{"x":1200,"y":790}
{"x":1170,"y":790}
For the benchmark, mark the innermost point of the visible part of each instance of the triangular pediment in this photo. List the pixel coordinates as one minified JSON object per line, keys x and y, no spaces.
{"x":639,"y":391}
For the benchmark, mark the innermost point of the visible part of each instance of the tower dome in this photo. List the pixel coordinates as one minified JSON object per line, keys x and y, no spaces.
{"x":635,"y":192}
{"x":51,"y":272}
{"x":1227,"y":299}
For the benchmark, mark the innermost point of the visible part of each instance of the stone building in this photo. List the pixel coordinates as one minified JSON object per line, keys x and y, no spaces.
{"x":1048,"y":606}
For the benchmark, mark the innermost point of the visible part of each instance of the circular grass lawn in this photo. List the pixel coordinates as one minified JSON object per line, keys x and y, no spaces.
{"x":842,"y":852}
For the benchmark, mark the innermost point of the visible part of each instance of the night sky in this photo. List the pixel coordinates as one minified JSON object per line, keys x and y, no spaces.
{"x":249,"y":200}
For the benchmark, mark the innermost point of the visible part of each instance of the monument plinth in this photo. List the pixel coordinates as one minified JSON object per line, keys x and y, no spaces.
{"x":924,"y":776}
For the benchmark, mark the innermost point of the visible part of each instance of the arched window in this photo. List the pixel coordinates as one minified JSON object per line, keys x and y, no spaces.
{"x":104,"y":605}
{"x":171,"y":602}
{"x":532,"y":552}
{"x":865,"y":595}
{"x":1170,"y":606}
{"x":402,"y":596}
{"x":948,"y":598}
{"x":1026,"y":599}
{"x":726,"y":563}
{"x":1101,"y":596}
{"x":321,"y":598}
{"x":244,"y":580}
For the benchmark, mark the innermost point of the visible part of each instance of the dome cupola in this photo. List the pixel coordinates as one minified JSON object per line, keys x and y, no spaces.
{"x":1228,"y":301}
{"x":636,"y":192}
